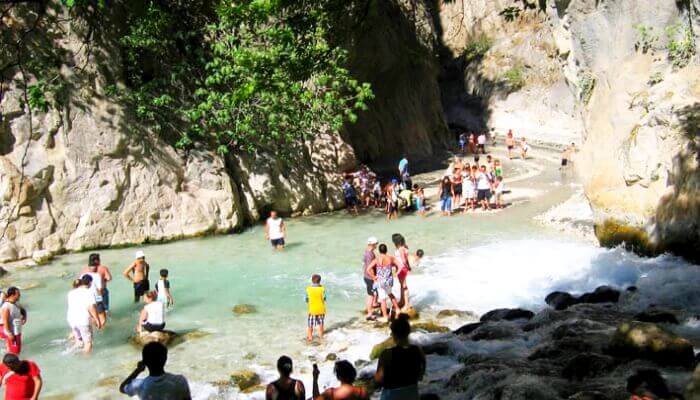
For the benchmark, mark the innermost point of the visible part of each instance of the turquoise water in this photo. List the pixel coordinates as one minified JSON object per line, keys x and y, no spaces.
{"x":210,"y":275}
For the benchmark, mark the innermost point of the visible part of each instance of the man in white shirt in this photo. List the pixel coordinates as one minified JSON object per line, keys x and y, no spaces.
{"x":158,"y":384}
{"x":481,"y":143}
{"x":82,"y":307}
{"x":275,"y":231}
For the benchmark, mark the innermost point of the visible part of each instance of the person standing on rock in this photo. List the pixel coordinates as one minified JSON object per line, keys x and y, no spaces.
{"x":369,"y":282}
{"x":139,"y":269}
{"x":275,"y":231}
{"x":403,"y":173}
{"x":400,"y":367}
{"x":152,"y":318}
{"x":96,"y":287}
{"x":158,"y":384}
{"x":404,"y":266}
{"x":13,"y":317}
{"x":104,"y":272}
{"x":82,"y":307}
{"x":285,"y":388}
{"x":382,"y":271}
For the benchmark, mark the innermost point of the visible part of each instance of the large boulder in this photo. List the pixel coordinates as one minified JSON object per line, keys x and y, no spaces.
{"x":560,"y":300}
{"x":162,"y":337}
{"x":507,"y":314}
{"x":468,"y":328}
{"x":588,"y":365}
{"x":602,"y":294}
{"x":649,"y":341}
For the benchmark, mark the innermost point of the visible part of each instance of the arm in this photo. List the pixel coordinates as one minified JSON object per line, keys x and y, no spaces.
{"x":128,"y":270}
{"x":316,"y":373}
{"x":6,"y":323}
{"x":379,"y":375}
{"x":93,"y":313}
{"x":124,"y":387}
{"x":270,"y":392}
{"x":170,"y":297}
{"x":143,"y":317}
{"x":406,"y":258}
{"x":107,"y":275}
{"x":300,"y":390}
{"x":370,"y":269}
{"x":37,"y":386}
{"x":267,"y":231}
{"x":283,"y":229}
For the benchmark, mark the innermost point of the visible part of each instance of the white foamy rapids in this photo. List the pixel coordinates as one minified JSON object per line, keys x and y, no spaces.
{"x":521,"y":273}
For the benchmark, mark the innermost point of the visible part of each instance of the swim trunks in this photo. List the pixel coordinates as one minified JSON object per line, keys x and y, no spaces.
{"x":564,"y":161}
{"x":13,"y":346}
{"x":402,"y":273}
{"x":369,"y":286}
{"x":153,"y":327}
{"x":140,"y":288}
{"x":277,"y":242}
{"x":458,"y":189}
{"x":482,"y":194}
{"x":100,"y":306}
{"x":316,"y":320}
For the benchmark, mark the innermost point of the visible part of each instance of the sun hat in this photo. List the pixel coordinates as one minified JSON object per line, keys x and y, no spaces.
{"x":139,"y":254}
{"x":372,"y":240}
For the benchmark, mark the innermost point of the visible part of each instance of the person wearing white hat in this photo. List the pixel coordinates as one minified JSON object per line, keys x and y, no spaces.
{"x":137,"y":272}
{"x":369,"y":282}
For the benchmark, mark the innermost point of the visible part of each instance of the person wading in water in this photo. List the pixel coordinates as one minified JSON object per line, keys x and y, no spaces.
{"x":139,"y":268}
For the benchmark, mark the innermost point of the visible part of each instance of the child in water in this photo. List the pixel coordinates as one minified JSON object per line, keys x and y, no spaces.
{"x":316,"y":299}
{"x":163,"y":289}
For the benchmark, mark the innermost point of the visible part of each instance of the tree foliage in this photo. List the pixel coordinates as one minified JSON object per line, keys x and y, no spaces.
{"x":243,"y":76}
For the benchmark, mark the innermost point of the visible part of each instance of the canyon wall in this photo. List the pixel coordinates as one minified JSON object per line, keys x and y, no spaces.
{"x":87,"y":175}
{"x":607,"y":76}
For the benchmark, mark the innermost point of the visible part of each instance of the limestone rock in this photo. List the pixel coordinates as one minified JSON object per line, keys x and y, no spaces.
{"x":649,"y":341}
{"x":429,"y":326}
{"x":245,"y":379}
{"x":241,"y":309}
{"x":42,"y":256}
{"x":162,"y":337}
{"x":378,"y":348}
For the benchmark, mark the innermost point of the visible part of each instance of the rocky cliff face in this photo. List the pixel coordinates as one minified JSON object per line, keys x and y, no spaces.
{"x":604,"y":75}
{"x":86,"y":175}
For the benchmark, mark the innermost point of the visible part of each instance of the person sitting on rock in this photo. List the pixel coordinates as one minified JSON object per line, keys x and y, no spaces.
{"x":346,"y":374}
{"x":152,"y":316}
{"x":158,"y":384}
{"x":285,"y":387}
{"x":400,"y":367}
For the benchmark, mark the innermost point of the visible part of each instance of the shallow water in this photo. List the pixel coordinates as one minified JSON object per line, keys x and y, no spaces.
{"x":475,"y":262}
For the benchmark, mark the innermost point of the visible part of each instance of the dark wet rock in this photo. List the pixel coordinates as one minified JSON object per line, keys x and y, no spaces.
{"x":602,"y":294}
{"x":496,"y":381}
{"x":589,"y":395}
{"x":439,"y":348}
{"x":588,"y":365}
{"x":632,"y":289}
{"x":657,"y":317}
{"x":547,"y":317}
{"x":507,"y":314}
{"x":692,"y":391}
{"x":494,"y":331}
{"x":561,"y":349}
{"x":429,"y":396}
{"x":648,"y":381}
{"x":560,"y":300}
{"x":3,"y":272}
{"x":649,"y":341}
{"x":467,"y":329}
{"x":577,"y":328}
{"x":457,"y":313}
{"x":240,"y":309}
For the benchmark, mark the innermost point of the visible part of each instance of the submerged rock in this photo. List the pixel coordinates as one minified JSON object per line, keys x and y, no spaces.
{"x":492,"y":331}
{"x":378,"y":348}
{"x":245,"y":379}
{"x":602,"y":294}
{"x":468,"y":328}
{"x":560,"y":300}
{"x":508,"y":314}
{"x":430,"y":327}
{"x":457,"y":313}
{"x":162,"y":337}
{"x":656,"y":317}
{"x":240,"y":309}
{"x":649,"y":341}
{"x":588,"y":395}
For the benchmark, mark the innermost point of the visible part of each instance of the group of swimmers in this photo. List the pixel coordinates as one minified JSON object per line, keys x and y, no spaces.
{"x":89,"y":299}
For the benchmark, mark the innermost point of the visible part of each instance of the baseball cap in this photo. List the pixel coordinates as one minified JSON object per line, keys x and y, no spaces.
{"x":372,"y":240}
{"x":139,"y":254}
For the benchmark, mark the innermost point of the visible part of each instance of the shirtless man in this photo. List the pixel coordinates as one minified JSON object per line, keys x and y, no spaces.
{"x":139,"y":268}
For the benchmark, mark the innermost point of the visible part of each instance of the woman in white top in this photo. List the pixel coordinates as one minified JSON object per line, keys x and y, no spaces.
{"x":153,"y":314}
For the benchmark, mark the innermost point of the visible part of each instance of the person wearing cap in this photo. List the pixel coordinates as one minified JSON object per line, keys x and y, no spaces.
{"x":137,"y":272}
{"x":369,"y":282}
{"x":21,"y":378}
{"x":81,"y":308}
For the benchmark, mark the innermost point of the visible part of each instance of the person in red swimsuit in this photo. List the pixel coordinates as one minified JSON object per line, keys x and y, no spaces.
{"x":21,"y":378}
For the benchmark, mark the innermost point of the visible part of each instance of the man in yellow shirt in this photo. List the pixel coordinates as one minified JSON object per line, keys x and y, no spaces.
{"x":316,"y":298}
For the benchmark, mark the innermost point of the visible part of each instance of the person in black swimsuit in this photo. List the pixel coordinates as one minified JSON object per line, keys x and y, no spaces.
{"x":402,"y":366}
{"x":285,"y":388}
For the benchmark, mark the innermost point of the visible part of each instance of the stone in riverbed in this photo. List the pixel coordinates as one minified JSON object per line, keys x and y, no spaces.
{"x":649,"y":341}
{"x":430,"y":327}
{"x":508,"y":314}
{"x":656,"y":317}
{"x":588,"y":395}
{"x":378,"y":348}
{"x":439,"y":348}
{"x":468,"y":328}
{"x":245,"y":379}
{"x":457,"y":313}
{"x":588,"y":365}
{"x":240,"y":309}
{"x":411,"y":312}
{"x":162,"y":337}
{"x":602,"y":294}
{"x":560,"y":300}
